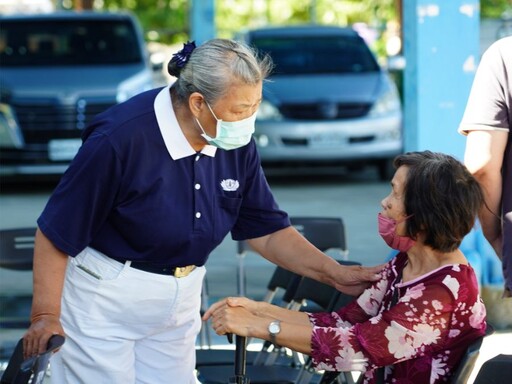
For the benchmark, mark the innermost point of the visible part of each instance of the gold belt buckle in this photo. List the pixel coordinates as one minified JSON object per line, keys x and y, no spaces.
{"x":183,"y":271}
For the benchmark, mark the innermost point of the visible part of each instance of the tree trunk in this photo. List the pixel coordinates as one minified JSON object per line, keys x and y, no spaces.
{"x":82,"y":5}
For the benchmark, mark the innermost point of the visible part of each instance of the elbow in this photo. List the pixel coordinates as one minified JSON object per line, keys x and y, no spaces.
{"x":478,"y":168}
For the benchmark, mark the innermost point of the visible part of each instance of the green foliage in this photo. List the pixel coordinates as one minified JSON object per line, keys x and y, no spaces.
{"x":494,"y":8}
{"x":167,"y":21}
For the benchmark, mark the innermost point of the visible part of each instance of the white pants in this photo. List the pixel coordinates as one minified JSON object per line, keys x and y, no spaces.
{"x":126,"y":326}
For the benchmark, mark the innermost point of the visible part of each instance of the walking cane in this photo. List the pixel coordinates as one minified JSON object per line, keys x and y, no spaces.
{"x":239,"y":377}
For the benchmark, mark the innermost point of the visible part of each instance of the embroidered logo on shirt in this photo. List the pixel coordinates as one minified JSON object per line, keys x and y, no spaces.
{"x":229,"y":185}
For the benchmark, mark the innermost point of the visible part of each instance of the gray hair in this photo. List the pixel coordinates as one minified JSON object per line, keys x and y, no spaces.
{"x":215,"y":65}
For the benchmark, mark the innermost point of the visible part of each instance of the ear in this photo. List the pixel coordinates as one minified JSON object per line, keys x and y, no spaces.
{"x":195,"y":103}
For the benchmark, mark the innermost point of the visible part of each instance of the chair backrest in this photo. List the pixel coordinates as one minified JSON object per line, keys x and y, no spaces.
{"x":282,"y":280}
{"x":16,"y":253}
{"x":495,"y":370}
{"x":20,"y":371}
{"x":467,"y":363}
{"x":323,"y":232}
{"x":17,"y":248}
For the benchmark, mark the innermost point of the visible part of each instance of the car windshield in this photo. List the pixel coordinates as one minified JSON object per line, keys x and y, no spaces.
{"x":317,"y":54}
{"x":67,"y":42}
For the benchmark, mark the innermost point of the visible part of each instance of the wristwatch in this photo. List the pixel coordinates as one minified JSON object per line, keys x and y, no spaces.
{"x":273,"y":329}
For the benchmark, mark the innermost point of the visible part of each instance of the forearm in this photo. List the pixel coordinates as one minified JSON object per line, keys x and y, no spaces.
{"x":294,"y":336}
{"x":489,"y":214}
{"x":484,"y":159}
{"x":290,"y":250}
{"x":49,"y":270}
{"x":274,"y":312}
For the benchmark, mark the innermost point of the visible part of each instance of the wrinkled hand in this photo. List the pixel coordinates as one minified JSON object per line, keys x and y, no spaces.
{"x":233,"y":315}
{"x":36,"y":338}
{"x":354,"y":279}
{"x":250,"y":305}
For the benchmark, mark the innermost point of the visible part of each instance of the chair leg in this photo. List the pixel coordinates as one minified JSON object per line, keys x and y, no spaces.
{"x":204,"y":333}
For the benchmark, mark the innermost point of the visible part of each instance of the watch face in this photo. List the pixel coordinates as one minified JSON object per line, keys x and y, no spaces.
{"x":274,"y":328}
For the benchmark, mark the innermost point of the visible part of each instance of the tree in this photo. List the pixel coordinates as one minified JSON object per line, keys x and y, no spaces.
{"x":167,"y":21}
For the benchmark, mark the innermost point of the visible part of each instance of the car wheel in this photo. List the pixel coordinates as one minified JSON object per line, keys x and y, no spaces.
{"x":385,"y":169}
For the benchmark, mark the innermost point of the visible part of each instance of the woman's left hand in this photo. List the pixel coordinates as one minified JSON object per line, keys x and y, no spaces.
{"x":231,"y":319}
{"x":250,"y":305}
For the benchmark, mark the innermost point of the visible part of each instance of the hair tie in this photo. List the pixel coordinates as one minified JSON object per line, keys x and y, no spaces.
{"x":181,"y":57}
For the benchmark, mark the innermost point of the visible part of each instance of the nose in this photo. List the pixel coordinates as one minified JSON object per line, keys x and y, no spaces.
{"x":383,"y":203}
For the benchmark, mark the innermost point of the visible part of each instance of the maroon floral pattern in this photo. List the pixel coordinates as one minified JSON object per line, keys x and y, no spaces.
{"x":418,"y":340}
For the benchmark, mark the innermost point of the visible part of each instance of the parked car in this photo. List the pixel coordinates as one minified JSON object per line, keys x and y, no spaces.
{"x":58,"y":70}
{"x":327,"y":100}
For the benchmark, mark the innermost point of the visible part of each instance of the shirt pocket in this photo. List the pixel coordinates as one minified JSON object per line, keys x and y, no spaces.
{"x":95,"y":266}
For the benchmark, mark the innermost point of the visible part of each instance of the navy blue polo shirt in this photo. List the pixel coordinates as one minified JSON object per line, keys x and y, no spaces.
{"x":137,"y":190}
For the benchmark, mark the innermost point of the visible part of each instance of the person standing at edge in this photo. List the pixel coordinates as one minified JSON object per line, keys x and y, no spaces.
{"x":487,"y":122}
{"x":158,"y":183}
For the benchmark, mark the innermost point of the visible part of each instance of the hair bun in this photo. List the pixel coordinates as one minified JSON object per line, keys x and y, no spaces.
{"x":180,"y":58}
{"x":173,"y":69}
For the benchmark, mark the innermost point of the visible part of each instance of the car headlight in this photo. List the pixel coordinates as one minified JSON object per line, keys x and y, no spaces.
{"x":268,"y":111}
{"x":134,"y":85}
{"x":386,"y":103}
{"x":10,"y":132}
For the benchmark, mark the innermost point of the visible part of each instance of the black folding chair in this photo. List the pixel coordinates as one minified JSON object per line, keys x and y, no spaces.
{"x":16,"y":254}
{"x":467,"y":363}
{"x":33,"y":369}
{"x":280,"y":290}
{"x":325,"y":233}
{"x":495,"y":370}
{"x":17,"y":248}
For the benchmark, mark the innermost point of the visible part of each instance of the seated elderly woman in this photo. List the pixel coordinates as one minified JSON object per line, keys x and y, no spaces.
{"x":420,"y":317}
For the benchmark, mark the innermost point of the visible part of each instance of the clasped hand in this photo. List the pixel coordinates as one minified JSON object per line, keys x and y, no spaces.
{"x":234,"y":315}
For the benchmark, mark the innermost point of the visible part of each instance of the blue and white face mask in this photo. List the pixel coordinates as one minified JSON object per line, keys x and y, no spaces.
{"x":231,"y":134}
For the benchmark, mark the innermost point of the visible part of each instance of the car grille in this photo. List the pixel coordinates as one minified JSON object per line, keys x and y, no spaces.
{"x":324,"y":111}
{"x":40,"y":123}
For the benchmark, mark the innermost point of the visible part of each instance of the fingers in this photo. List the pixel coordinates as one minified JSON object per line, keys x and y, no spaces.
{"x":214,"y":307}
{"x":374,"y":273}
{"x":228,"y":301}
{"x":236,"y":320}
{"x":33,"y":345}
{"x":35,"y":340}
{"x":360,"y":275}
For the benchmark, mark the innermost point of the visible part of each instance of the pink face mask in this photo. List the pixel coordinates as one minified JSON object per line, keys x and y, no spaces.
{"x":387,"y":229}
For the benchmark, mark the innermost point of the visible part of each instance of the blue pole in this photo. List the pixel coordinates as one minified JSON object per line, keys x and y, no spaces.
{"x":441,"y":47}
{"x":202,"y":20}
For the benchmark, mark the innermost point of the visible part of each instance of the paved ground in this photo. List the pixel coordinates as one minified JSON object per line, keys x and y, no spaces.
{"x":320,"y":192}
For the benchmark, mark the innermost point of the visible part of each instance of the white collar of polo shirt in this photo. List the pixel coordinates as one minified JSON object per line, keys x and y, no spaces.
{"x":174,"y":139}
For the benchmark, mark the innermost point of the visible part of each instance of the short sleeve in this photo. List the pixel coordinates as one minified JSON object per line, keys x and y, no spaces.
{"x":489,"y":102}
{"x":259,"y":213}
{"x":84,"y":196}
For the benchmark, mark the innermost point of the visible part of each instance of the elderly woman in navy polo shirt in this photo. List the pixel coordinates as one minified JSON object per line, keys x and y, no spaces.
{"x":158,"y":183}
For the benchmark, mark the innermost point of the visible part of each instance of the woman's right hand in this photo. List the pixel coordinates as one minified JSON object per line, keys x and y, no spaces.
{"x":36,"y":338}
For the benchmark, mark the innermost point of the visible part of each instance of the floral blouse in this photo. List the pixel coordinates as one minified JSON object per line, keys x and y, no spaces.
{"x":419,"y":339}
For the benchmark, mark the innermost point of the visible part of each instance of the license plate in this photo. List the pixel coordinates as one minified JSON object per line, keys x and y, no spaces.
{"x":327,"y":140}
{"x":64,"y":149}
